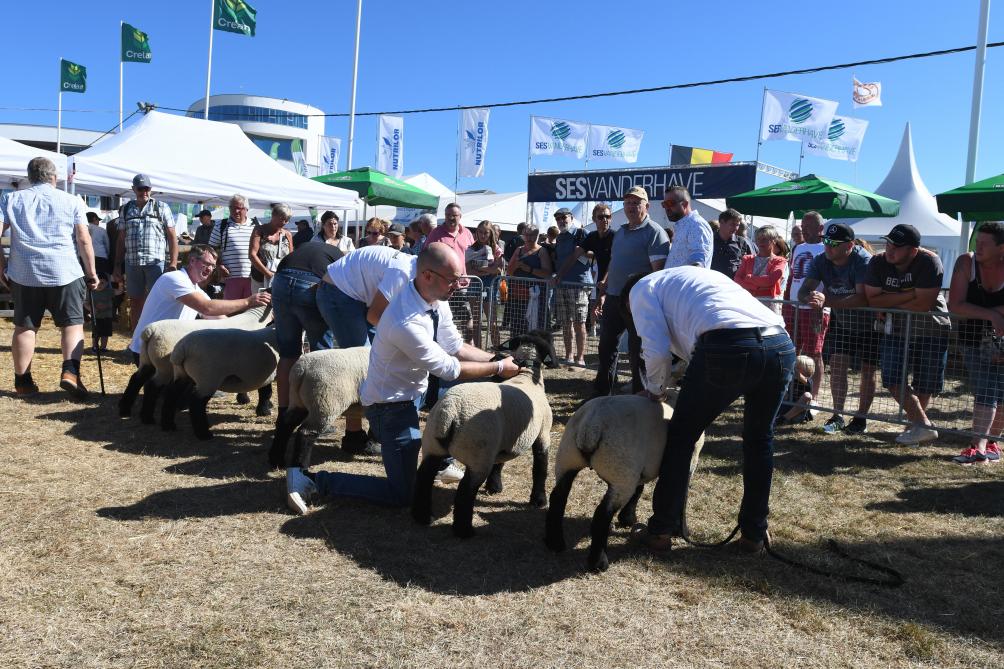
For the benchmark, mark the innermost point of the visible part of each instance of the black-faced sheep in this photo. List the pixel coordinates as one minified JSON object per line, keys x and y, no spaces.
{"x":483,"y":425}
{"x":622,"y":438}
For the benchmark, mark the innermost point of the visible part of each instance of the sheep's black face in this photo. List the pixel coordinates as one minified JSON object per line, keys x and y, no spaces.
{"x":536,"y":344}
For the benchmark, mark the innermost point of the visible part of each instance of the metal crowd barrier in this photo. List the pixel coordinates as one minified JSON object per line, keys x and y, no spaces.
{"x":467,"y":306}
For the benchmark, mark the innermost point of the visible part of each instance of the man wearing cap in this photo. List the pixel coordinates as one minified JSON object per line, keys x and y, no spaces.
{"x":572,"y":298}
{"x":48,"y":231}
{"x":692,"y":236}
{"x":205,"y":227}
{"x":640,"y":246}
{"x":395,"y":234}
{"x":303,"y":233}
{"x":839,"y":275}
{"x":146,"y":235}
{"x":729,"y":248}
{"x":906,"y":277}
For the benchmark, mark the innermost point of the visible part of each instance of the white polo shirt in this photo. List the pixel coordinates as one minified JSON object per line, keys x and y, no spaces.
{"x":363,"y":272}
{"x":163,"y":304}
{"x":672,"y":308}
{"x":404,"y":353}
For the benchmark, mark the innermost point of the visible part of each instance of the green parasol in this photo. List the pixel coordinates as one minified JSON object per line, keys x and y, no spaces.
{"x":978,"y":201}
{"x":830,"y":198}
{"x":377,"y":188}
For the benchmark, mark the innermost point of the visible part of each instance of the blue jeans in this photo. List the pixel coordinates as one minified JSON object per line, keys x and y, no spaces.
{"x":926,"y":361}
{"x":296,"y":311}
{"x":396,"y":428}
{"x":725,"y":365}
{"x":346,"y":317}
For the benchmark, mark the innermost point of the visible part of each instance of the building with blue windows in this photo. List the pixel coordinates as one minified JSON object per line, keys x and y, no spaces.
{"x":273,"y":124}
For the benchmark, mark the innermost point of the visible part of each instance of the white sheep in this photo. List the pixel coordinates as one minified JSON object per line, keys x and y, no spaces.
{"x":233,"y":360}
{"x":156,"y":343}
{"x":621,"y":438}
{"x":483,"y":425}
{"x":323,"y":385}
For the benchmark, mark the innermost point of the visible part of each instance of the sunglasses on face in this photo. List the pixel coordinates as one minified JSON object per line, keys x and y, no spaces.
{"x":605,"y":217}
{"x":832,"y":242}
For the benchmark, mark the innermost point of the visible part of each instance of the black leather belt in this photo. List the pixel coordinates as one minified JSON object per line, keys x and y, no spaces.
{"x":732,"y":334}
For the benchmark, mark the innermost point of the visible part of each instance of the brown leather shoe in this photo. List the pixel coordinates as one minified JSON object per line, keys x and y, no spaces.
{"x":26,"y":389}
{"x":72,"y":384}
{"x":656,"y":543}
{"x":746,"y":546}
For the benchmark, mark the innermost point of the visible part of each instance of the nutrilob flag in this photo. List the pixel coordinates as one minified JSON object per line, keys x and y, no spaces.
{"x":390,"y":145}
{"x":618,"y":144}
{"x":795,"y":117}
{"x":135,"y":45}
{"x":473,"y":141}
{"x":691,"y":155}
{"x":331,"y":147}
{"x":72,"y":77}
{"x":557,"y":137}
{"x":843,"y":140}
{"x":234,"y":16}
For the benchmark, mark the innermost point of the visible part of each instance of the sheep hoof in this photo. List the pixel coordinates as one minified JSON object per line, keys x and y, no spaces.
{"x":264,"y":409}
{"x":627,"y":520}
{"x":203,"y":436}
{"x":124,"y":411}
{"x":538,"y":500}
{"x":242,"y":398}
{"x":556,"y":544}
{"x":493,"y":487}
{"x":463,"y":532}
{"x":599,"y":563}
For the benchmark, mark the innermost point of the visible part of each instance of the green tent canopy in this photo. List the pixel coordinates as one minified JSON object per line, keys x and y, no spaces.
{"x":978,"y":201}
{"x":830,"y":198}
{"x":377,"y":188}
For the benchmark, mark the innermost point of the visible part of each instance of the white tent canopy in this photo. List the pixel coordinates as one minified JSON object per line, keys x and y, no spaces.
{"x":938,"y":232}
{"x":197,"y":161}
{"x":14,"y":157}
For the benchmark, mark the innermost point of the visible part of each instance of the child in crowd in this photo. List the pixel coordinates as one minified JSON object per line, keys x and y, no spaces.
{"x":800,"y":393}
{"x":103,"y":317}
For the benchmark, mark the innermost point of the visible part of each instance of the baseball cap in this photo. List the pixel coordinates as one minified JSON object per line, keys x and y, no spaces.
{"x":839,"y":232}
{"x":204,"y":212}
{"x":141,"y":181}
{"x":395,"y":229}
{"x":563,"y":212}
{"x":903,"y":235}
{"x":91,"y":216}
{"x":638,"y":192}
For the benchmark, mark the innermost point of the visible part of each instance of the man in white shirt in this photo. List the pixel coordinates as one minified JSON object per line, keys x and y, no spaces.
{"x":692,"y":236}
{"x":177,"y":296}
{"x":414,"y":338}
{"x":735,"y":346}
{"x":807,"y":326}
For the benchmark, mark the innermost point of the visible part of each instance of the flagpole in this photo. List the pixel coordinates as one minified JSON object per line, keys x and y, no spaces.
{"x":59,"y":109}
{"x":209,"y":60}
{"x":456,"y":165}
{"x":759,"y":140}
{"x":355,"y":78}
{"x":801,"y":154}
{"x":974,"y":116}
{"x":529,"y":158}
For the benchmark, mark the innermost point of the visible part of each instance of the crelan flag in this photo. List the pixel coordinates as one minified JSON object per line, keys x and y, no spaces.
{"x":390,"y":145}
{"x":135,"y":45}
{"x":473,"y":141}
{"x":621,"y":145}
{"x":690,"y":155}
{"x":557,"y":137}
{"x":795,"y":117}
{"x":72,"y":77}
{"x":235,"y":16}
{"x":867,"y":94}
{"x":843,"y":140}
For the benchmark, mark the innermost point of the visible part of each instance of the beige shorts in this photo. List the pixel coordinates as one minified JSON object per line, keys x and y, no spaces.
{"x":573,"y":304}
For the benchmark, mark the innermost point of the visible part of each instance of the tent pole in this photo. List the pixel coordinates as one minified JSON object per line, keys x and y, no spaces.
{"x":209,"y":60}
{"x":974,"y":116}
{"x":355,"y":78}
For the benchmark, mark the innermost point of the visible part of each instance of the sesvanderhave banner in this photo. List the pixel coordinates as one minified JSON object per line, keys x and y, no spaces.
{"x":795,"y":117}
{"x":843,"y":141}
{"x":135,"y":45}
{"x":235,"y":16}
{"x":707,"y":181}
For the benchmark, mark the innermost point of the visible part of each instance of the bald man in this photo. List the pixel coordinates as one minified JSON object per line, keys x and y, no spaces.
{"x":415,"y":337}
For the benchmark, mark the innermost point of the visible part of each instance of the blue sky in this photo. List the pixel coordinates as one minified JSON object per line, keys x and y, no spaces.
{"x":449,"y":52}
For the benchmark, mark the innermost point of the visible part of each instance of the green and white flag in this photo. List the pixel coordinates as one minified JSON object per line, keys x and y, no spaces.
{"x":234,"y":16}
{"x":299,"y":160}
{"x":135,"y":45}
{"x":72,"y":77}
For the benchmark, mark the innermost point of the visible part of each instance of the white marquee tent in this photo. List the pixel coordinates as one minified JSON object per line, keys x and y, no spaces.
{"x":197,"y":161}
{"x":14,"y":157}
{"x":938,"y":232}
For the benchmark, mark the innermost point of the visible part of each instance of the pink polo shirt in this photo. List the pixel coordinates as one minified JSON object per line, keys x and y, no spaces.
{"x":458,"y":241}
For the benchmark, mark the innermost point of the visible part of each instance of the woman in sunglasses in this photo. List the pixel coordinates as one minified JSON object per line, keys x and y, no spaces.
{"x":376,"y":231}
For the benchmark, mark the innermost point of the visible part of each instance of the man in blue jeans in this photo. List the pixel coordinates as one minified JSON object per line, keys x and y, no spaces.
{"x":735,"y":346}
{"x":415,"y":337}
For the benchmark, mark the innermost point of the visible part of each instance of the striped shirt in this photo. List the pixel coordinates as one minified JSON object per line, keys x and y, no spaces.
{"x":145,"y":231}
{"x":42,"y":250}
{"x":235,"y":255}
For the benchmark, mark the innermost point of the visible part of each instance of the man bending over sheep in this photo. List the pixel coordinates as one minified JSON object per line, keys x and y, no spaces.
{"x":177,"y":296}
{"x":735,"y":346}
{"x":415,"y":337}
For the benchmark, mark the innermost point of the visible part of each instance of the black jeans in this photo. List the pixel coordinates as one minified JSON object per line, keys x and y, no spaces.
{"x":725,"y":365}
{"x":612,"y":325}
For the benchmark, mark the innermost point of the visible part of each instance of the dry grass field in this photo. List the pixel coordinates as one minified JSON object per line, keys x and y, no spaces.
{"x":124,"y":546}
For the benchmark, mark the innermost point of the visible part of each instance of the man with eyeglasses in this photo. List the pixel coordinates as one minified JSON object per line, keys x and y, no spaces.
{"x":177,"y":296}
{"x":640,"y":246}
{"x":232,"y":237}
{"x":452,"y":233}
{"x":839,"y":275}
{"x":415,"y":338}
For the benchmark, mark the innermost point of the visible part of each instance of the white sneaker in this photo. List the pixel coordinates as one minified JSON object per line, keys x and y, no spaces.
{"x":916,"y":435}
{"x":452,"y":473}
{"x":299,"y":489}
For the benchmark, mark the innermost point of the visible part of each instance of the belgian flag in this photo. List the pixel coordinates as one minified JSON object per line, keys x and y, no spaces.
{"x":689,"y":155}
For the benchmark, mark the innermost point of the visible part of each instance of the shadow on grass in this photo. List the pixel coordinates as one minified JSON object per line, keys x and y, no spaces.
{"x":979,"y":499}
{"x":214,"y":501}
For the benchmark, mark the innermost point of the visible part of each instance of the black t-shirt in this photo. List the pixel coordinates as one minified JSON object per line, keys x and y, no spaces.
{"x":601,"y":248}
{"x":302,"y":237}
{"x":312,"y":257}
{"x":925,"y":271}
{"x":511,"y":246}
{"x":727,"y":256}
